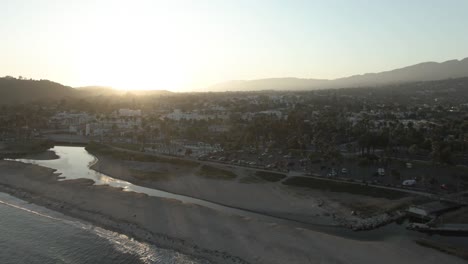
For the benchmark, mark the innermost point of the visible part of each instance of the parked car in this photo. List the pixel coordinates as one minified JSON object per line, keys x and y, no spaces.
{"x":444,"y":186}
{"x":381,"y":171}
{"x":409,"y":183}
{"x":409,"y":165}
{"x":344,"y":171}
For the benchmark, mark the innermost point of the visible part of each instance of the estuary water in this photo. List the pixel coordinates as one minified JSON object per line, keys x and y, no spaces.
{"x":74,"y":163}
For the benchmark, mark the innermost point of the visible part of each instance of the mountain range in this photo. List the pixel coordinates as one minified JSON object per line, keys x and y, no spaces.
{"x":427,"y":71}
{"x":14,"y":90}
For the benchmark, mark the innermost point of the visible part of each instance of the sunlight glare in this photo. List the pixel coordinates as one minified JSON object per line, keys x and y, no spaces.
{"x":125,"y":55}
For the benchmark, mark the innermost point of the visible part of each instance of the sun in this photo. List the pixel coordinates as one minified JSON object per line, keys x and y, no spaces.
{"x":126,"y":55}
{"x":129,"y":66}
{"x":136,"y":74}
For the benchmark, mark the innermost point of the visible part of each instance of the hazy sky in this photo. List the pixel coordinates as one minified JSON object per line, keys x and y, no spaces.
{"x":180,"y":45}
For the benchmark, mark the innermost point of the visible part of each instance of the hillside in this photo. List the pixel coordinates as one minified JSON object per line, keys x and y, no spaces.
{"x":14,"y":90}
{"x":428,"y":71}
{"x":271,"y":84}
{"x":95,"y":91}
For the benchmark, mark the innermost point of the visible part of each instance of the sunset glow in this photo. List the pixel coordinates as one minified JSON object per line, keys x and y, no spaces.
{"x":190,"y":45}
{"x":135,"y":53}
{"x":233,"y":131}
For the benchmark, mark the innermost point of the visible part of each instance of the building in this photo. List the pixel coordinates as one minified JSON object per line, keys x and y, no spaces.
{"x":129,"y":112}
{"x":432,"y":209}
{"x":73,"y":122}
{"x":178,"y":115}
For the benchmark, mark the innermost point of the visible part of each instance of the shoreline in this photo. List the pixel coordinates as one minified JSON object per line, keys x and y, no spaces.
{"x":115,"y":169}
{"x":120,"y":226}
{"x":325,"y":217}
{"x":199,"y":231}
{"x":365,"y":224}
{"x":265,"y":213}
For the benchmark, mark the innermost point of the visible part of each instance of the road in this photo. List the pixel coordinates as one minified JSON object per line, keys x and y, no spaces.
{"x":287,"y":174}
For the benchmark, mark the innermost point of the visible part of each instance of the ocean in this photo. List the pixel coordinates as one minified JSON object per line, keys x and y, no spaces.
{"x":33,"y":234}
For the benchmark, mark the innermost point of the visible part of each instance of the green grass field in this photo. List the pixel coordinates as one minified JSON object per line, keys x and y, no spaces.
{"x":216,"y":173}
{"x":334,"y":186}
{"x":270,"y":176}
{"x":132,"y":156}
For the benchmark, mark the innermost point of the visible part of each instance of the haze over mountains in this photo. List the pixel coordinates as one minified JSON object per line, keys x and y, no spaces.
{"x":14,"y":90}
{"x":427,"y":71}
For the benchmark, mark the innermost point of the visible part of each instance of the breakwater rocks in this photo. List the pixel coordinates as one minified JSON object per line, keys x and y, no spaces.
{"x":371,"y":222}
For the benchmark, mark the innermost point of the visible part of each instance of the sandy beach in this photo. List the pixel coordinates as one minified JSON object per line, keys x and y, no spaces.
{"x":301,"y":204}
{"x":200,"y":231}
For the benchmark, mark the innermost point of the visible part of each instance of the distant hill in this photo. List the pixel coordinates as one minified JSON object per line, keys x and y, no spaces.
{"x":271,"y":84}
{"x":428,"y":71}
{"x":95,"y":90}
{"x":106,"y":91}
{"x":147,"y":92}
{"x":14,"y":90}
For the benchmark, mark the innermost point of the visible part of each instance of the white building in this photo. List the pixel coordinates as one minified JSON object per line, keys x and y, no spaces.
{"x":270,"y":113}
{"x":178,"y":115}
{"x":180,"y":147}
{"x":73,"y":122}
{"x":129,"y":112}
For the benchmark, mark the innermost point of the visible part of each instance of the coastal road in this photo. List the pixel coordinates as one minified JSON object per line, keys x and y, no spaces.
{"x":287,"y":174}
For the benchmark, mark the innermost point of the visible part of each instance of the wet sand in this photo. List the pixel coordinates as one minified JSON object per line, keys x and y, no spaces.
{"x":201,"y":231}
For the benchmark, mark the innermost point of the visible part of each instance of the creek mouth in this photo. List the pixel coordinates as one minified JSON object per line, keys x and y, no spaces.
{"x":74,"y":163}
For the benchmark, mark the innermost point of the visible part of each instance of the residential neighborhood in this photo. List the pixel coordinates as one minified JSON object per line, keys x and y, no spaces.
{"x":406,"y":136}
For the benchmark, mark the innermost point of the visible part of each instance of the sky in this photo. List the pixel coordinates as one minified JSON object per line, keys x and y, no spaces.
{"x":182,"y":45}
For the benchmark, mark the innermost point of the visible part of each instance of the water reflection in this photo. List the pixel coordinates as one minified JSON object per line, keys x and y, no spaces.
{"x":74,"y":163}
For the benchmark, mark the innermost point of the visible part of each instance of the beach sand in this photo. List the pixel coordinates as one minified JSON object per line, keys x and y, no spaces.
{"x":200,"y":231}
{"x":272,"y":198}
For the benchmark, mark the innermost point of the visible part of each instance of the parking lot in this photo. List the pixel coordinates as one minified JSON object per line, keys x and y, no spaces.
{"x":423,"y":176}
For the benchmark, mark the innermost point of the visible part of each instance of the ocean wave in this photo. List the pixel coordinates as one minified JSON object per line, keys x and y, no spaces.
{"x":148,"y":254}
